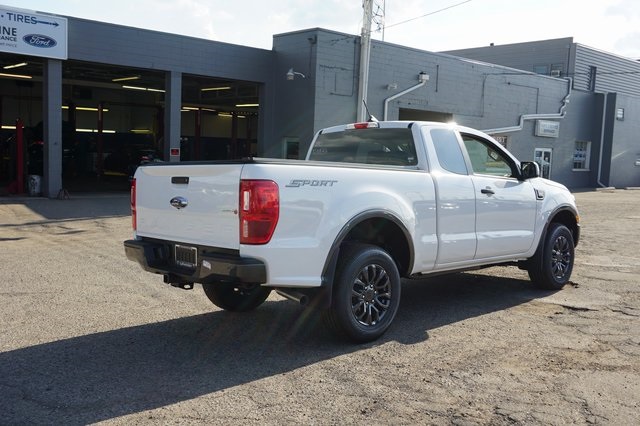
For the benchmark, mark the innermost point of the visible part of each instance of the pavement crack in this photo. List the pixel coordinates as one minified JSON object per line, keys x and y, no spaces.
{"x":578,"y":308}
{"x":626,"y":311}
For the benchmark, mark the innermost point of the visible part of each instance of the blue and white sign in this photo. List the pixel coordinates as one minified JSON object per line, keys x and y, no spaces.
{"x":547,"y":129}
{"x":27,"y":32}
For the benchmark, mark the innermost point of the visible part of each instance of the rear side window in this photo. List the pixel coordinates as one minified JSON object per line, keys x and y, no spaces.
{"x":390,"y":147}
{"x":448,"y":150}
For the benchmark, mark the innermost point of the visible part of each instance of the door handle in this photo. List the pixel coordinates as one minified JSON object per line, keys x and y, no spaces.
{"x":487,"y":191}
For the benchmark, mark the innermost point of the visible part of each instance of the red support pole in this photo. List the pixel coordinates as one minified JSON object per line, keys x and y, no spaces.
{"x":20,"y":156}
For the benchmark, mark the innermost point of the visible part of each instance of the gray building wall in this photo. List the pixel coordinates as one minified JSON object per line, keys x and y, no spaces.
{"x":613,"y":73}
{"x":293,"y":115}
{"x":524,"y":56}
{"x":617,"y":81}
{"x":105,"y":43}
{"x":625,"y":151}
{"x":472,"y":93}
{"x":580,"y":123}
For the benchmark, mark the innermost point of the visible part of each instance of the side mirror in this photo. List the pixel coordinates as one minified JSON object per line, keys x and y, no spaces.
{"x":529,"y":170}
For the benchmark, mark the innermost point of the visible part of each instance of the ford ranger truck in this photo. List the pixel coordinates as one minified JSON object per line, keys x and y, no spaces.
{"x":371,"y":204}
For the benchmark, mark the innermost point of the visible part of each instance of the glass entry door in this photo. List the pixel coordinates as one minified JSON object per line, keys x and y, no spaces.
{"x":543,"y":156}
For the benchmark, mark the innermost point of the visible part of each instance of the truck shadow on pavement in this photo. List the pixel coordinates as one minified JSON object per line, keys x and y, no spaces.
{"x":110,"y":374}
{"x":87,"y":206}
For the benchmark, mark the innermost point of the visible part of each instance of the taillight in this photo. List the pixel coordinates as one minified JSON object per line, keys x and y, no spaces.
{"x":134,"y":218}
{"x":259,"y":210}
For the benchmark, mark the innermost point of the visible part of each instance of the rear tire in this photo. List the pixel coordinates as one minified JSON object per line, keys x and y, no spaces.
{"x":236,"y":297}
{"x":366,"y":293}
{"x":550,"y":268}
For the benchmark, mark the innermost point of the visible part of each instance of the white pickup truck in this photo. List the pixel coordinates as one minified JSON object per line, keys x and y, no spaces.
{"x":372,"y":203}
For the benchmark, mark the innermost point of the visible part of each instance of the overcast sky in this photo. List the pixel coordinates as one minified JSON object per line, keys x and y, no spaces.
{"x":610,"y":25}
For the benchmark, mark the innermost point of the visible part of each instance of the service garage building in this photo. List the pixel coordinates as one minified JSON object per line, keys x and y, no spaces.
{"x":107,"y":98}
{"x":103,"y":97}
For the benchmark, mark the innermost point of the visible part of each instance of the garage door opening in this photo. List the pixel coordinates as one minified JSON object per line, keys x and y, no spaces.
{"x":219,"y":119}
{"x":113,"y":120}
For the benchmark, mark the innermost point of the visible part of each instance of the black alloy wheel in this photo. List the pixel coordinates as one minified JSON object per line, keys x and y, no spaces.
{"x":366,"y":293}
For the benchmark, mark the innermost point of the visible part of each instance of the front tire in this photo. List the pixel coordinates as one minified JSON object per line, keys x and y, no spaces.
{"x":236,"y":297}
{"x":366,"y":293}
{"x":550,"y":268}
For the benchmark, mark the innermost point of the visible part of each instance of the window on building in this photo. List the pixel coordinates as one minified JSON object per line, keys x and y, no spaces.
{"x":593,"y":71}
{"x":541,"y":69}
{"x":556,"y":70}
{"x":581,"y":155}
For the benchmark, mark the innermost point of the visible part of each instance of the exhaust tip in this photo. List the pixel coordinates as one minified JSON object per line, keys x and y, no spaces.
{"x":296,"y":296}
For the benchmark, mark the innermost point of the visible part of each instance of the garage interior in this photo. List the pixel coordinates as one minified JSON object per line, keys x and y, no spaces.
{"x":113,"y":120}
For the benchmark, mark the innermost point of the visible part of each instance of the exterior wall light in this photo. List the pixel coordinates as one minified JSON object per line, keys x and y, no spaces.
{"x":291,"y":74}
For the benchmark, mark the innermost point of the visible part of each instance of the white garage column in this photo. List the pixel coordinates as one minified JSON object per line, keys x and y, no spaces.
{"x":52,"y":131}
{"x":172,"y":106}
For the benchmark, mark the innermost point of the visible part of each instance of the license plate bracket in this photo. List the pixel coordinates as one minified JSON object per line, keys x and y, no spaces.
{"x":186,"y":256}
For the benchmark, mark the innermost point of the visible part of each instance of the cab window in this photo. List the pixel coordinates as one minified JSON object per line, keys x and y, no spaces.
{"x":486,"y":159}
{"x":390,"y":147}
{"x":448,"y":151}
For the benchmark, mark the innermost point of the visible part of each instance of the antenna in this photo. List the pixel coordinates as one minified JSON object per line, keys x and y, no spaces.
{"x":372,"y":118}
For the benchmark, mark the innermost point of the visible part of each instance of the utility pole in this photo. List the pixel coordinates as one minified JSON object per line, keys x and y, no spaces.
{"x":365,"y":53}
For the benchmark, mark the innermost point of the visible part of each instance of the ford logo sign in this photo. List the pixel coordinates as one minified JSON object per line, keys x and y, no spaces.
{"x":39,"y":40}
{"x":179,"y":202}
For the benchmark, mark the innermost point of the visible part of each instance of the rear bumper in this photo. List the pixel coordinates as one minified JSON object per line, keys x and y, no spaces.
{"x":212,"y":265}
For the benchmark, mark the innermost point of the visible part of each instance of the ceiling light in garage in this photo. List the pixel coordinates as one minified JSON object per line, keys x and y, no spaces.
{"x":210,"y":89}
{"x":133,"y":77}
{"x":21,"y":64}
{"x":190,"y":108}
{"x":148,"y":89}
{"x":79,"y":108}
{"x":26,"y":77}
{"x":226,"y":114}
{"x":94,"y":131}
{"x":246,"y":105}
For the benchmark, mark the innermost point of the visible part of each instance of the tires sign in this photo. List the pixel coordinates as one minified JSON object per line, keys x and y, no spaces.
{"x":27,"y":32}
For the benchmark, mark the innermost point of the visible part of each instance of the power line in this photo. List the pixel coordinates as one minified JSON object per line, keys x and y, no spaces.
{"x":378,"y":23}
{"x":428,"y":14}
{"x":572,"y":74}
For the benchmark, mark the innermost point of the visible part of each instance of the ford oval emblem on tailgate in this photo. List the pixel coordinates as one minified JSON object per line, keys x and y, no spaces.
{"x":179,"y":202}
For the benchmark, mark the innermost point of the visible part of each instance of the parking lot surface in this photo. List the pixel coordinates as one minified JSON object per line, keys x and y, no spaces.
{"x":86,"y":336}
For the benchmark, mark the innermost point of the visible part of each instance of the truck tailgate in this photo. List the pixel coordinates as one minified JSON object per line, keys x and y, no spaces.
{"x":204,"y":210}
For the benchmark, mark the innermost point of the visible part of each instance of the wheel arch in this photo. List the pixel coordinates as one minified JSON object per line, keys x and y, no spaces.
{"x":377,"y":227}
{"x":568,"y":217}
